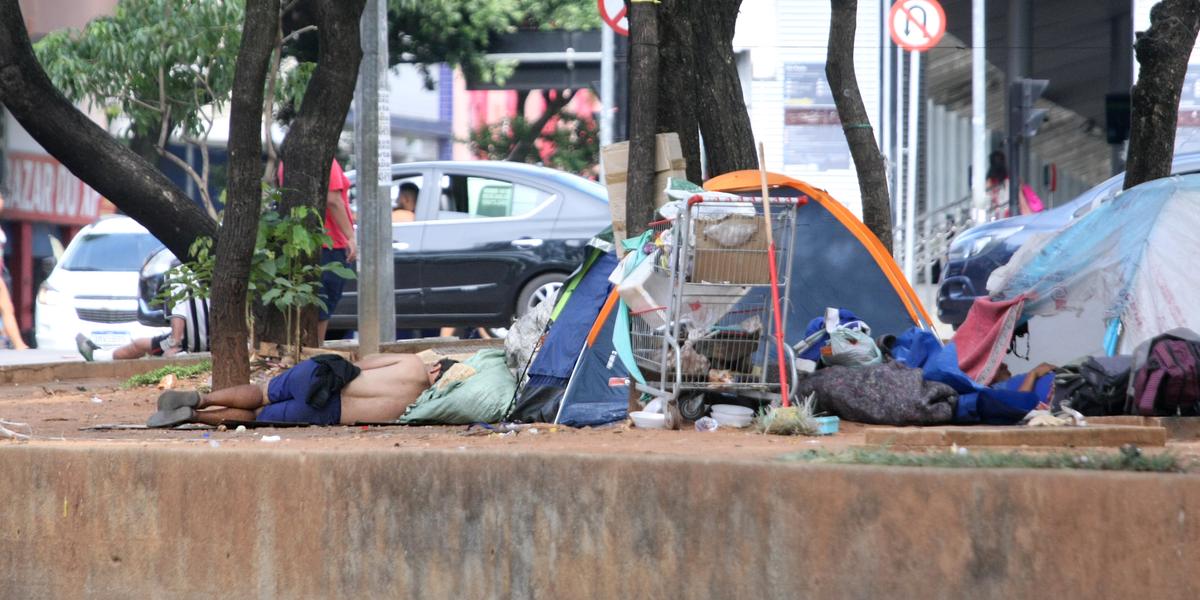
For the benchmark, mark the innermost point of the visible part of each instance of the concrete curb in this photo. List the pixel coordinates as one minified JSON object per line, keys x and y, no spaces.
{"x":199,"y":522}
{"x":78,"y":370}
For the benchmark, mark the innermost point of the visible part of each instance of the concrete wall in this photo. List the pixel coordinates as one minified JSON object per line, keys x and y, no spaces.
{"x":137,"y":522}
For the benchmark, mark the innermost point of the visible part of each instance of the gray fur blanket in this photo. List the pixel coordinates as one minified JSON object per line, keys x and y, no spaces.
{"x":886,"y":394}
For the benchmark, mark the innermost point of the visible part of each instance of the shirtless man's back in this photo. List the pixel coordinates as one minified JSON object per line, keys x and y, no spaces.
{"x":388,"y":384}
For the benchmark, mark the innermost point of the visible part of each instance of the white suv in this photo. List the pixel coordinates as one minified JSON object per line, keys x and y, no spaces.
{"x":93,"y":290}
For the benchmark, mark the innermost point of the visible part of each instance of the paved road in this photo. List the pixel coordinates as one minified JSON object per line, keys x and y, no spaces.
{"x":34,"y":356}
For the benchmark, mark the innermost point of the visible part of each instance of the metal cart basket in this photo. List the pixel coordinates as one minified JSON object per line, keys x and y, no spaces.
{"x":706,"y":321}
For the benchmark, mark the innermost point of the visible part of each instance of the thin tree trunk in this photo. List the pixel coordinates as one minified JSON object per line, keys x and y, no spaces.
{"x":643,"y":111}
{"x":235,"y":248}
{"x":677,"y":79}
{"x":721,"y":108}
{"x":525,"y":146}
{"x":1163,"y":52}
{"x":856,"y":125}
{"x":309,"y":147}
{"x":87,"y":150}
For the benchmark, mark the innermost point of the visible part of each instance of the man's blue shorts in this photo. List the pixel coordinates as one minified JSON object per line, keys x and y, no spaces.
{"x":332,"y":284}
{"x":287,"y":393}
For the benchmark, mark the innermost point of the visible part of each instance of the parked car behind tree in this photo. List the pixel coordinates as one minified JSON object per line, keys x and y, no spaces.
{"x":488,"y":241}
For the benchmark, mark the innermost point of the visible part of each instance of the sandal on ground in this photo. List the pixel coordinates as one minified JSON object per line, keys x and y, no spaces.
{"x":172,"y":399}
{"x":171,"y":417}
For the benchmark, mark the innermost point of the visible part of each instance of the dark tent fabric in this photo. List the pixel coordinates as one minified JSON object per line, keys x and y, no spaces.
{"x":836,"y":262}
{"x":557,"y":357}
{"x":538,"y":400}
{"x":589,"y":399}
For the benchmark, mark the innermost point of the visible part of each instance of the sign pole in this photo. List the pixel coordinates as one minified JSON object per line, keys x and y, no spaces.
{"x":607,"y":42}
{"x":376,"y":280}
{"x":910,"y":200}
{"x":979,"y":145}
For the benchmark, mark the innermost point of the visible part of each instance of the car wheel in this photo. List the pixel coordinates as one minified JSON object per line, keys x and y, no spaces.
{"x":542,"y":288}
{"x":534,"y":293}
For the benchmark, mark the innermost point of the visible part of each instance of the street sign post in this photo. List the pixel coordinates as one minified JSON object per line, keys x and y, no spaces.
{"x":917,"y":25}
{"x":615,"y":14}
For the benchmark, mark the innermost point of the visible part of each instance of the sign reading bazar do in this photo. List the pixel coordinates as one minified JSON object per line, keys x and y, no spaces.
{"x":39,"y":188}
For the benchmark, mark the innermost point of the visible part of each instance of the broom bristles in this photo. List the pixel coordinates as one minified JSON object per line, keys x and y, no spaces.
{"x":792,"y":420}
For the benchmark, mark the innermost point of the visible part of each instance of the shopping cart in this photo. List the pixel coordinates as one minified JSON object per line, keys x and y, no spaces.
{"x":704,"y":322}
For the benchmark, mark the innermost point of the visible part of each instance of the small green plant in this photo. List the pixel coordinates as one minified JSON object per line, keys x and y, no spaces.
{"x":182,"y":372}
{"x":1130,"y":458}
{"x":282,"y":274}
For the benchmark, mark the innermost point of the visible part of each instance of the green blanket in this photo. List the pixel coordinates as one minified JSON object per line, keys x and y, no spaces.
{"x":481,"y":398}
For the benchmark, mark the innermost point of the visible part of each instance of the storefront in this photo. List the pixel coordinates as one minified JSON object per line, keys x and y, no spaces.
{"x":45,"y":205}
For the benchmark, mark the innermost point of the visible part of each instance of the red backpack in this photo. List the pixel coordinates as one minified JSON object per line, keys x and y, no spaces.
{"x":1169,"y":382}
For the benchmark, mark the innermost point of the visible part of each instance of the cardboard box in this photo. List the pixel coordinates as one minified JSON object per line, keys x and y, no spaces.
{"x":668,"y":156}
{"x":743,"y":263}
{"x":616,"y":202}
{"x":668,"y":163}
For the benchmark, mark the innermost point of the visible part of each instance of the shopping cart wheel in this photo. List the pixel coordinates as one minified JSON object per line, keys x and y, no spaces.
{"x":692,"y":408}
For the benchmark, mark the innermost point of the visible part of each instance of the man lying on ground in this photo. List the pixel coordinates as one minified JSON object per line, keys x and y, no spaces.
{"x":189,"y":333}
{"x":324,"y":390}
{"x":1039,"y":381}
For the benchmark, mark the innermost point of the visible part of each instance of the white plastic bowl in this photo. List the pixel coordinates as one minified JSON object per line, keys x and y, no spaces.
{"x":646,"y":420}
{"x":732,"y":415}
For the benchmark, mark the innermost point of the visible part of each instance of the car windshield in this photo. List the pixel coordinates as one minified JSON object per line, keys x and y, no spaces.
{"x":110,"y":252}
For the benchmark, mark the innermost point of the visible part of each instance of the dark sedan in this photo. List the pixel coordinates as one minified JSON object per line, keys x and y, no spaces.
{"x":978,"y":251}
{"x":488,"y":241}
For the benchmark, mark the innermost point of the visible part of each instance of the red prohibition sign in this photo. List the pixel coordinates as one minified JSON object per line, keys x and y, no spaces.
{"x":917,"y":25}
{"x":614,"y":12}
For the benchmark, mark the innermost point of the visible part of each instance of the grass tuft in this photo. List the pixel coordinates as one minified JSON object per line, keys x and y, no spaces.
{"x":1129,"y":459}
{"x":182,"y":372}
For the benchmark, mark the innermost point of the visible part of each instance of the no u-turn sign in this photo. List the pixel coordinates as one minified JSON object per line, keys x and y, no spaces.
{"x":917,"y":25}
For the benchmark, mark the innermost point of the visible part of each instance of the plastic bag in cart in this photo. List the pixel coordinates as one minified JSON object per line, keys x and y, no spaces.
{"x":850,"y":346}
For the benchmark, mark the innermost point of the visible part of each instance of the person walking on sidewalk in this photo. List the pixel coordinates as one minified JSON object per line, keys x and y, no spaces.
{"x":339,"y":225}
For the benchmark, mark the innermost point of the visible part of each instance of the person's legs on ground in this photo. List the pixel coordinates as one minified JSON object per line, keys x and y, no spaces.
{"x":138,"y":348}
{"x":237,"y":403}
{"x":217,"y":416}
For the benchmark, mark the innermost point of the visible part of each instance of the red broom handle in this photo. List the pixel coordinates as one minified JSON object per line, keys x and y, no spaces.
{"x":766,"y":199}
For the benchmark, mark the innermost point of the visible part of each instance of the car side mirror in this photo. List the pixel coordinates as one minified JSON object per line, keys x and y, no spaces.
{"x":48,"y":264}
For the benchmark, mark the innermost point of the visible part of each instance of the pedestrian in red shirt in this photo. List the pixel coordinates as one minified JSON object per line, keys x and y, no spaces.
{"x":339,"y":225}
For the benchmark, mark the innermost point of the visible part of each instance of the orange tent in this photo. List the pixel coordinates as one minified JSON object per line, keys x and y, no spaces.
{"x":837,"y":261}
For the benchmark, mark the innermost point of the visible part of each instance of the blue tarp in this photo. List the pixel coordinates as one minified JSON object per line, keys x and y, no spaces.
{"x":917,"y":348}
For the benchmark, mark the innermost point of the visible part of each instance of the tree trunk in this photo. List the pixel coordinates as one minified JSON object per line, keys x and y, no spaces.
{"x":677,"y":79}
{"x":721,"y":109}
{"x":235,"y":248}
{"x":1163,"y":52}
{"x":643,"y":111}
{"x":526,"y":145}
{"x":309,"y":146}
{"x":87,"y":150}
{"x":856,"y":125}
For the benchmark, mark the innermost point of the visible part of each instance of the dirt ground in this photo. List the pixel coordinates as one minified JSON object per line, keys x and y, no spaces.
{"x":69,"y":412}
{"x":64,"y":412}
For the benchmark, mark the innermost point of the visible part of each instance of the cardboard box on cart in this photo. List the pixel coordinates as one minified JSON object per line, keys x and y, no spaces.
{"x":716,"y":258}
{"x":668,"y":162}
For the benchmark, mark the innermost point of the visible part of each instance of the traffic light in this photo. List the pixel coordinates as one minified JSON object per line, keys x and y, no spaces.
{"x":1024,"y":95}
